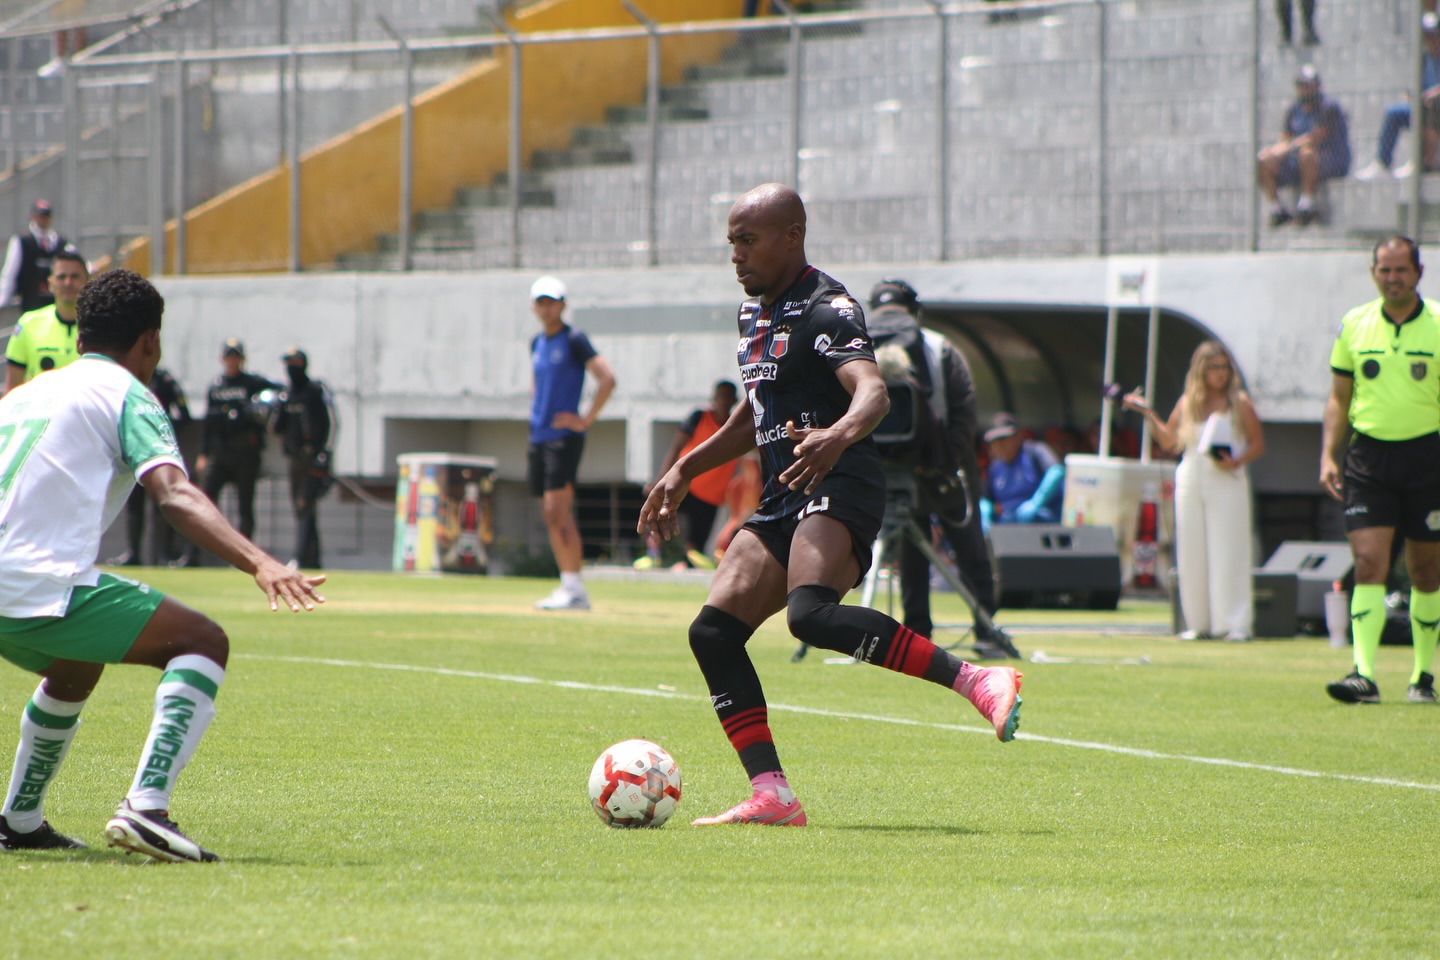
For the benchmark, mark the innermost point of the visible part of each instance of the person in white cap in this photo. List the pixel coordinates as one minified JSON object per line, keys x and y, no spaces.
{"x":559,"y":358}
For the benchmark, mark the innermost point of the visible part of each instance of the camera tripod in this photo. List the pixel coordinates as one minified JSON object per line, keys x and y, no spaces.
{"x":898,"y":526}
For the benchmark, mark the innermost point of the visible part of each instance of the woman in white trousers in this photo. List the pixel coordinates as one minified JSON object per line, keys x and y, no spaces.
{"x":1218,"y":432}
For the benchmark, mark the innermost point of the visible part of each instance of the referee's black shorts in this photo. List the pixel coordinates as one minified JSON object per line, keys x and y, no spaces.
{"x":857,"y":502}
{"x":1394,"y":483}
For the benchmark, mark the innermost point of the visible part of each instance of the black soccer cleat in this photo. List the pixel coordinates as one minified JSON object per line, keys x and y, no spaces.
{"x":46,"y":838}
{"x":154,"y":834}
{"x":1354,"y":689}
{"x":1424,"y":690}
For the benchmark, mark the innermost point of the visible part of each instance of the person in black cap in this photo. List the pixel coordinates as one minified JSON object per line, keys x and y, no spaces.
{"x":304,"y":423}
{"x":1314,"y":146}
{"x":237,"y":411}
{"x":27,"y":261}
{"x":945,"y":380}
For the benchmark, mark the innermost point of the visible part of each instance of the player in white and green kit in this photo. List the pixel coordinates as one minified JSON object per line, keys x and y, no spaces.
{"x":73,"y":443}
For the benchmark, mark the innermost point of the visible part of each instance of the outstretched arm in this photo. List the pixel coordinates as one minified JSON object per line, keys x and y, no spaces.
{"x":192,"y":513}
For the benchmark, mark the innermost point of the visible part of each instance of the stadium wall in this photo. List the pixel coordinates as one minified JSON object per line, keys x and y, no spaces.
{"x":440,"y":361}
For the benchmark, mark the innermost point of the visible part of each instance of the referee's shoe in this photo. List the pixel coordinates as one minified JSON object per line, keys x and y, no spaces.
{"x":1354,"y":688}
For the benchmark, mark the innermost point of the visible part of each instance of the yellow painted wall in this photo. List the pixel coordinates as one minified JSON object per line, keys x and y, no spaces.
{"x":350,"y":187}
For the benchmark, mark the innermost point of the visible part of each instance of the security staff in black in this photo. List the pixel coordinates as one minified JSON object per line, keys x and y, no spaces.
{"x":171,"y":395}
{"x":813,"y":395}
{"x":234,"y":437}
{"x":1385,"y":384}
{"x":948,"y":386}
{"x":304,"y":424}
{"x":28,"y":258}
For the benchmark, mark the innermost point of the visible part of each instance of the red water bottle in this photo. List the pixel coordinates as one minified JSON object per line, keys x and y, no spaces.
{"x":1147,"y":535}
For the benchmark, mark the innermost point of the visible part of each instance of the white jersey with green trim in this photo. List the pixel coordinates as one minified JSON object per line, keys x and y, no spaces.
{"x":73,"y":443}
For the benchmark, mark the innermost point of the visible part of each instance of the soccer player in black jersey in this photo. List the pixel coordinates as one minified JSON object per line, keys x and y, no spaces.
{"x":812,"y":394}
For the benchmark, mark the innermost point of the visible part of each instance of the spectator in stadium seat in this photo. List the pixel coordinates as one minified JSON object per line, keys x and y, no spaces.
{"x":1024,"y":481}
{"x":1397,"y":115}
{"x":1314,"y":146}
{"x":1283,"y":10}
{"x":1216,"y":427}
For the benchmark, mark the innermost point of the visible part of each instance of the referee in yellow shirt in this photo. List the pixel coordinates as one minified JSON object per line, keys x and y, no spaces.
{"x":1385,"y":382}
{"x":44,"y":339}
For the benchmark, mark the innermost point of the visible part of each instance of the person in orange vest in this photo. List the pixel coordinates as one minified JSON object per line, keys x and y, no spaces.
{"x":707,"y":491}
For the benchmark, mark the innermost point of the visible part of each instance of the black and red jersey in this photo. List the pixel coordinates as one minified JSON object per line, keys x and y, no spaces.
{"x":789,"y":352}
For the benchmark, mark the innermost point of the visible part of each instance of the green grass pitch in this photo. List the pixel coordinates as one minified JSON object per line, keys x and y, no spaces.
{"x":402,"y":774}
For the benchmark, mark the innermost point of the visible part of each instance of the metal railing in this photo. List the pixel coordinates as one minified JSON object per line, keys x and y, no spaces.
{"x":1089,"y":85}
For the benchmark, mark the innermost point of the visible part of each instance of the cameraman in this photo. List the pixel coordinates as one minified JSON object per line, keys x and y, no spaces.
{"x":305,"y":424}
{"x":944,"y":380}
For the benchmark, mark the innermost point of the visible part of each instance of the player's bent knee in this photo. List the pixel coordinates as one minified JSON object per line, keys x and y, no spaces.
{"x":808,"y":613}
{"x":716,"y":635}
{"x":209,"y":640}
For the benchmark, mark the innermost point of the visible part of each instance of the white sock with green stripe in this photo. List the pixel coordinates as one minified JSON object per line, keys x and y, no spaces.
{"x":184,"y":707}
{"x":47,"y":728}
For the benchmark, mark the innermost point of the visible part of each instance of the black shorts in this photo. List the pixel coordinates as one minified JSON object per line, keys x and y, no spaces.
{"x":857,"y":503}
{"x":554,"y":464}
{"x":1394,"y":483}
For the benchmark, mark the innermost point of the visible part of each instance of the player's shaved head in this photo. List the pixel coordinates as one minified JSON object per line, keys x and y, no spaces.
{"x":773,"y":204}
{"x":767,"y":239}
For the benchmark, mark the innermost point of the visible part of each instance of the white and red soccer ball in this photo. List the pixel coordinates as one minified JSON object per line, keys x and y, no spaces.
{"x":635,"y":784}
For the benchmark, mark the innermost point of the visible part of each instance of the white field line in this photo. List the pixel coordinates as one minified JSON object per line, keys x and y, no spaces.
{"x":844,"y":715}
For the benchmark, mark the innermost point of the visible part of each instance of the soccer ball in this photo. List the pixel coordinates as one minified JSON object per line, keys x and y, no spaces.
{"x":635,"y":784}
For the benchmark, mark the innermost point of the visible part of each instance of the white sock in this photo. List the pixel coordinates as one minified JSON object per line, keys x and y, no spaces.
{"x":571,"y":582}
{"x":1305,"y":202}
{"x":47,"y":728}
{"x":184,"y":707}
{"x":1277,"y":207}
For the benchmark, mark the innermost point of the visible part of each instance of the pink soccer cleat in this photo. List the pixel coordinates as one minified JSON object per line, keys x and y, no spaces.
{"x":995,"y":692}
{"x":763,"y":809}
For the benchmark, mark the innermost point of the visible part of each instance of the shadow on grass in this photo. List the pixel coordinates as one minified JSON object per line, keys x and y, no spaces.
{"x":906,"y":828}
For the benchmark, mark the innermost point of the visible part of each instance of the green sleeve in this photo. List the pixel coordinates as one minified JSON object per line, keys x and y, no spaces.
{"x":146,"y":434}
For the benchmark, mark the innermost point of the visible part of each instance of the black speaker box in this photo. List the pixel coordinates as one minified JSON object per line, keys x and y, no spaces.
{"x":1048,"y":565}
{"x":1274,"y":595}
{"x":1316,"y":566}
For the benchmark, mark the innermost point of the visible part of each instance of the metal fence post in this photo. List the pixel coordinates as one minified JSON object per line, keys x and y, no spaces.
{"x":515,"y":129}
{"x":179,"y":198}
{"x":295,"y":263}
{"x":407,"y":148}
{"x":1252,"y":222}
{"x":12,"y":111}
{"x":155,"y":171}
{"x":71,"y":177}
{"x":1417,"y":113}
{"x":652,"y":128}
{"x":793,"y":63}
{"x":1102,"y":225}
{"x":942,"y":143}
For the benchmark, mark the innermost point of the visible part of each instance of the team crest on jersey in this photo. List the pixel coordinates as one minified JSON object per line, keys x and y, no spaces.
{"x":779,"y":342}
{"x":1418,"y":369}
